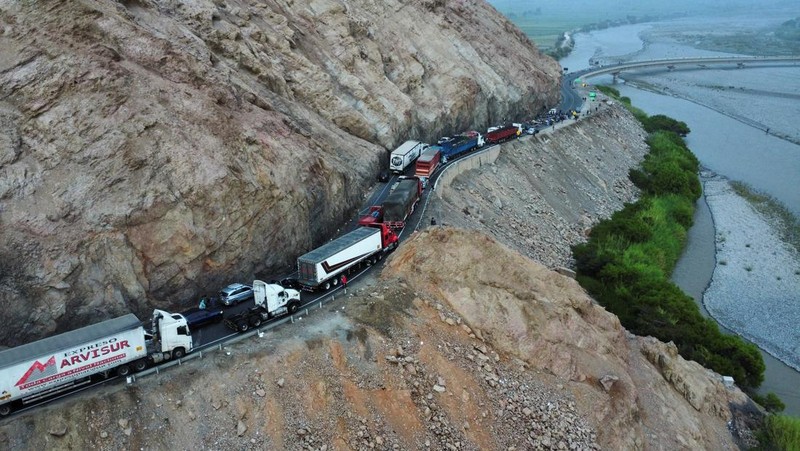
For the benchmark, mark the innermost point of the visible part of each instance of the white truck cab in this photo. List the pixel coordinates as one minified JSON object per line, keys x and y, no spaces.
{"x":275,"y":299}
{"x":173,"y":334}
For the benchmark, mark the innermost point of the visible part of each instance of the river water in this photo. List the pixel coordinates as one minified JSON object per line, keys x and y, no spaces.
{"x":728,"y":111}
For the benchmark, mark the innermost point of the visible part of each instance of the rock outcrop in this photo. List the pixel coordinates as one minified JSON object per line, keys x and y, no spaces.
{"x":636,"y":392}
{"x":153,"y":150}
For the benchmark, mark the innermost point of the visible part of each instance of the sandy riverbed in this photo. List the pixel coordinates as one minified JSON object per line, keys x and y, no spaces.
{"x":755,"y":289}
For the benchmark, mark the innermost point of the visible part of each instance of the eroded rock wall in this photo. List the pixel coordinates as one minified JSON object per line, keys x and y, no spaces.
{"x":154,"y":150}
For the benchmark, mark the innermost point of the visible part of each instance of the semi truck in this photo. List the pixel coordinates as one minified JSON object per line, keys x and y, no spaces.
{"x":271,"y":300}
{"x":398,"y":206}
{"x":53,"y":365}
{"x":321,"y":268}
{"x":407,"y":153}
{"x":499,"y":134}
{"x":428,"y":162}
{"x":400,"y":203}
{"x":459,"y":144}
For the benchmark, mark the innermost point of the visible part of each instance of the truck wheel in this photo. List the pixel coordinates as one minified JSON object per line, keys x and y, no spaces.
{"x":5,"y":410}
{"x":335,"y":281}
{"x":178,"y":353}
{"x":293,"y":307}
{"x":123,"y":370}
{"x":255,"y":321}
{"x":243,"y":326}
{"x":326,"y":286}
{"x":139,"y":365}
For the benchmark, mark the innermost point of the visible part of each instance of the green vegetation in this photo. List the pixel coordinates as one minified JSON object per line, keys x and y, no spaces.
{"x":771,"y":402}
{"x":780,"y":432}
{"x":628,"y":259}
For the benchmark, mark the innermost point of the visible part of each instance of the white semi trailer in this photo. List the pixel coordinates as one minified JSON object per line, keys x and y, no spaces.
{"x":321,"y":268}
{"x":407,"y":153}
{"x":53,"y":365}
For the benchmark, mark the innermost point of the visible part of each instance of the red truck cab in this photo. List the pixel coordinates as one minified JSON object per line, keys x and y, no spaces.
{"x":389,"y":239}
{"x":374,"y":216}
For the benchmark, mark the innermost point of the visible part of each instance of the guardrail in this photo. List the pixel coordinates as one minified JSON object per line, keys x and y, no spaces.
{"x":319,"y":303}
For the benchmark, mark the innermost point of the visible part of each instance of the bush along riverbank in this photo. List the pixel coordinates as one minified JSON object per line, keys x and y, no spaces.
{"x":627,"y":261}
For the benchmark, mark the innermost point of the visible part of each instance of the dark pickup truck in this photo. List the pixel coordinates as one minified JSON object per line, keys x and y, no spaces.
{"x":197,"y":317}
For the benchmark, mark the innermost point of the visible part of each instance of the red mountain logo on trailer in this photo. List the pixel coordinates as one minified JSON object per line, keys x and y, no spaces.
{"x":42,"y":371}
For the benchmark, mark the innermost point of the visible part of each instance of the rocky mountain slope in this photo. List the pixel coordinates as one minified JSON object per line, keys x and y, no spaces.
{"x":152,"y":150}
{"x":437,"y":353}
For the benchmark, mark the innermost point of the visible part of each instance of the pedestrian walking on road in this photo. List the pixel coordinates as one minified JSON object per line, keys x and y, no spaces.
{"x":344,"y":282}
{"x":433,"y":221}
{"x":203,"y":303}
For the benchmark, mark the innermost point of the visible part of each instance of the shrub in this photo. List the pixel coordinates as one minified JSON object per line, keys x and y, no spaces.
{"x":609,"y":91}
{"x":627,"y":261}
{"x":780,"y":432}
{"x":770,"y":402}
{"x":659,"y":122}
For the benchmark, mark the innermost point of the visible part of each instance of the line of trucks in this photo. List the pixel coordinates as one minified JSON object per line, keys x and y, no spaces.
{"x":122,"y":345}
{"x":447,"y":148}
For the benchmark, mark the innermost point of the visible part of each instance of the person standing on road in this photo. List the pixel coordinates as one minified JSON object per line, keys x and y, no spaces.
{"x":203,"y":303}
{"x":344,"y":282}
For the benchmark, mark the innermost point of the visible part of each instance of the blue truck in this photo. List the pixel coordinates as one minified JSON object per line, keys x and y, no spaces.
{"x":452,"y":147}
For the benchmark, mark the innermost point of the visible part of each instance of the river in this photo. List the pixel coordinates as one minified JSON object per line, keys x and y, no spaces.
{"x":733,"y":262}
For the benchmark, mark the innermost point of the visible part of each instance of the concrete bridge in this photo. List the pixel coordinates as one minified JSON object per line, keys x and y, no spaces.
{"x":693,"y":62}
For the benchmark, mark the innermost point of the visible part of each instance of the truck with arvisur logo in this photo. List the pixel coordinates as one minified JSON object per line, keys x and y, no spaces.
{"x":53,"y":365}
{"x":322,"y":267}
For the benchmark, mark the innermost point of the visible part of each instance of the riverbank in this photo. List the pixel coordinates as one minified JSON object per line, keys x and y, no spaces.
{"x":755,"y":288}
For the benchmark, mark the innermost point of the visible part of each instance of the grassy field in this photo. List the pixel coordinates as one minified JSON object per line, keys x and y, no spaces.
{"x":543,"y":31}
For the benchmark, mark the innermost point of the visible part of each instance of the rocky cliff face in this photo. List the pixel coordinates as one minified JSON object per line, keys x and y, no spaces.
{"x":151,"y":150}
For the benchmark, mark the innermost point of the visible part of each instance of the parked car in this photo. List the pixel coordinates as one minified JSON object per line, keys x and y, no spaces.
{"x":235,"y":293}
{"x":197,"y":317}
{"x":383,"y":176}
